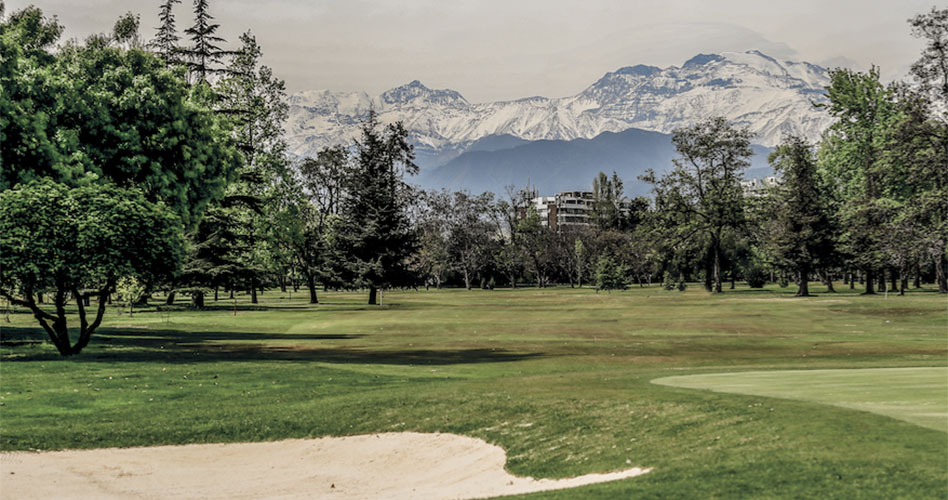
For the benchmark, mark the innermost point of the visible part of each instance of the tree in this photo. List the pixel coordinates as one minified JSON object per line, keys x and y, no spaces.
{"x":76,"y":243}
{"x":609,"y":275}
{"x":608,"y":194}
{"x":536,"y":243}
{"x":471,"y":229}
{"x":921,"y":141}
{"x":581,"y":261}
{"x":125,"y":31}
{"x":376,"y":235}
{"x":433,"y":258}
{"x":254,"y":100}
{"x":99,"y":114}
{"x":165,"y":43}
{"x":701,"y":197}
{"x":852,"y":158}
{"x":204,"y":54}
{"x":802,"y":230}
{"x":129,"y":290}
{"x":931,"y":69}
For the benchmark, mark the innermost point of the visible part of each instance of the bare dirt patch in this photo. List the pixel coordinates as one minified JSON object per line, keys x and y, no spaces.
{"x":393,"y":465}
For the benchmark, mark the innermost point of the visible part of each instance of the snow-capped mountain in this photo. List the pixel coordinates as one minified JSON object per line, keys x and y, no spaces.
{"x":751,"y":89}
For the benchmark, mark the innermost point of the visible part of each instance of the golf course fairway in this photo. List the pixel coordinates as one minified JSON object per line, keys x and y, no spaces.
{"x":918,"y":395}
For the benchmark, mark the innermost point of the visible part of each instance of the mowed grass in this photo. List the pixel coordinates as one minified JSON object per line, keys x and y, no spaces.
{"x":561,"y":378}
{"x":918,"y":395}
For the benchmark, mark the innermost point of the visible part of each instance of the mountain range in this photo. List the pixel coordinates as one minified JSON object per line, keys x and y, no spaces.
{"x":464,"y":145}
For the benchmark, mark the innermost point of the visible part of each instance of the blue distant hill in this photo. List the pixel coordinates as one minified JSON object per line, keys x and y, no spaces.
{"x":494,"y":162}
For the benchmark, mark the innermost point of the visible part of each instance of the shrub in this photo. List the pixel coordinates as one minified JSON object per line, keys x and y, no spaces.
{"x":667,"y":282}
{"x":609,"y":275}
{"x":756,"y":276}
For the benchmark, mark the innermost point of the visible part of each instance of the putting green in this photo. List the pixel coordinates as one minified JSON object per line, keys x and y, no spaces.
{"x":916,"y":395}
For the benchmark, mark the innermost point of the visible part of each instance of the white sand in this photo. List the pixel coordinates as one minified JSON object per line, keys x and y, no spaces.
{"x":392,"y":466}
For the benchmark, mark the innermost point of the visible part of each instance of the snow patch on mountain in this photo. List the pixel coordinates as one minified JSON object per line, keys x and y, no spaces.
{"x":770,"y":97}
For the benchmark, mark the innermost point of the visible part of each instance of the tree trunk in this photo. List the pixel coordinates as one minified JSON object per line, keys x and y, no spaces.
{"x":828,"y":281}
{"x":717,"y":270}
{"x":869,"y":277}
{"x":940,"y":274}
{"x":918,"y":276}
{"x":904,"y":284}
{"x":311,"y":284}
{"x":709,"y":273}
{"x":197,"y":299}
{"x":467,"y":279}
{"x":253,"y":291}
{"x":882,"y":284}
{"x":217,"y":293}
{"x":283,"y":283}
{"x":168,"y":301}
{"x":895,"y":278}
{"x":803,"y":282}
{"x":373,"y":295}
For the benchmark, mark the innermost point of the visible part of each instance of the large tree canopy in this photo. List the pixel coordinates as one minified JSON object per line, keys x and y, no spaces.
{"x":77,"y":242}
{"x":98,"y":113}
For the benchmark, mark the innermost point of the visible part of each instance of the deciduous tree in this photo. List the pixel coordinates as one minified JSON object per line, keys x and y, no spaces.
{"x":77,"y":242}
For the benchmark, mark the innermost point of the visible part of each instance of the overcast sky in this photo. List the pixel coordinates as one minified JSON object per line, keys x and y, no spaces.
{"x":506,"y":49}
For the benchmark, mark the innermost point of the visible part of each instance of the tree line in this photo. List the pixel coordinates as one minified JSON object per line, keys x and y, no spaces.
{"x":160,"y":165}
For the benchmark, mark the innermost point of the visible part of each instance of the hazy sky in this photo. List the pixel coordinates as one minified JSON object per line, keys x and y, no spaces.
{"x":507,"y":49}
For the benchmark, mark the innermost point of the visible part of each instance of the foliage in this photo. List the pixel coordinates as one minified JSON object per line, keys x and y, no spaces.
{"x":77,"y":242}
{"x":756,"y":276}
{"x":608,"y":194}
{"x":668,"y":283}
{"x":701,"y":196}
{"x":375,"y":233}
{"x":129,"y":290}
{"x":165,"y":43}
{"x":204,"y":55}
{"x":610,"y":275}
{"x":125,"y":31}
{"x":801,"y":229}
{"x":95,"y":113}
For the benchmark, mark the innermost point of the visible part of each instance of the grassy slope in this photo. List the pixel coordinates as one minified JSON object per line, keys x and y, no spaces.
{"x":560,"y":378}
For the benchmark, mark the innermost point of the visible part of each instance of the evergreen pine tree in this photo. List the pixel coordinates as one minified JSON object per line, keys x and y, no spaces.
{"x":376,"y":235}
{"x":165,"y":43}
{"x":205,"y":53}
{"x":802,"y":228}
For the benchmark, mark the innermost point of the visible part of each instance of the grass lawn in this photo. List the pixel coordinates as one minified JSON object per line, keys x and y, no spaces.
{"x":917,"y":395}
{"x":560,"y":378}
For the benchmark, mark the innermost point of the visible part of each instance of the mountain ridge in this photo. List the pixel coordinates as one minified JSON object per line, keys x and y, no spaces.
{"x":770,"y":97}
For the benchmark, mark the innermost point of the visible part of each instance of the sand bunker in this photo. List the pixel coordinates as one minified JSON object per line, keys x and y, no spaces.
{"x":392,"y":466}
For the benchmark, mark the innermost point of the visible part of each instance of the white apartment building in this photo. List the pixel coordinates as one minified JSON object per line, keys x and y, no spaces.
{"x":569,"y":208}
{"x":757,"y":187}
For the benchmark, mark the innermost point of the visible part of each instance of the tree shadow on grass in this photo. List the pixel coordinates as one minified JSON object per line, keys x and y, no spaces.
{"x":175,"y":346}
